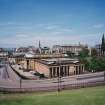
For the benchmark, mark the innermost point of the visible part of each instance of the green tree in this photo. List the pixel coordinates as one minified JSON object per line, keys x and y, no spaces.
{"x":97,"y":64}
{"x":84,"y":53}
{"x":94,"y":52}
{"x":103,"y":44}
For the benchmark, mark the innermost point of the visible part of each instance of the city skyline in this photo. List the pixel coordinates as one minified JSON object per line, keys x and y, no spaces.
{"x":25,"y":22}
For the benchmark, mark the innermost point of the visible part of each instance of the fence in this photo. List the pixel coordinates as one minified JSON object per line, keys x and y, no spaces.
{"x":53,"y":88}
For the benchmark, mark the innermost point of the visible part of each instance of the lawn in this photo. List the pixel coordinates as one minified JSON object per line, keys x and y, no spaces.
{"x":85,"y":96}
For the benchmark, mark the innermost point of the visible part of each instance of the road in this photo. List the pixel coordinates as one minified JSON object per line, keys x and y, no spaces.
{"x":3,"y":73}
{"x":9,"y":79}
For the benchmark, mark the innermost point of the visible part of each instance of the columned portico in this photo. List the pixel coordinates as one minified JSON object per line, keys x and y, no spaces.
{"x":56,"y":71}
{"x":79,"y":69}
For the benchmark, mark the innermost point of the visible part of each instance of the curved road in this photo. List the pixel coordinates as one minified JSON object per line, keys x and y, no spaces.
{"x":9,"y":79}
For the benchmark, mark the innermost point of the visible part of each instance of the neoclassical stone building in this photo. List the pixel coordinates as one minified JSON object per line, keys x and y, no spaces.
{"x":52,"y":67}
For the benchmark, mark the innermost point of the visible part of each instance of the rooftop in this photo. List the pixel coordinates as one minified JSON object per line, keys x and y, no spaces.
{"x":55,"y":61}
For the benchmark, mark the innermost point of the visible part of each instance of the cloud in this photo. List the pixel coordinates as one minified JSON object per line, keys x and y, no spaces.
{"x":67,"y":30}
{"x":58,"y":28}
{"x":22,"y":35}
{"x":48,"y":34}
{"x":47,"y":39}
{"x":9,"y":23}
{"x":40,"y":25}
{"x":98,"y":26}
{"x":50,"y":27}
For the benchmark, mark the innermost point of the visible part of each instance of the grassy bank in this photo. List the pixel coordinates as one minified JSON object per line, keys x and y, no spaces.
{"x":86,"y":96}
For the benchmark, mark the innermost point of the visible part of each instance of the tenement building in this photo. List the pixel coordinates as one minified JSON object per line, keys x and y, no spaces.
{"x":75,"y":49}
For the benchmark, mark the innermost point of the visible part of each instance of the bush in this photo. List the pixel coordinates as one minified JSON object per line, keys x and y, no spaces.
{"x":97,"y":64}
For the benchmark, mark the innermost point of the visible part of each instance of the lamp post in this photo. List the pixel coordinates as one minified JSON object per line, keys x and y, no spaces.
{"x":20,"y":83}
{"x":104,"y":76}
{"x":59,"y":83}
{"x":59,"y":78}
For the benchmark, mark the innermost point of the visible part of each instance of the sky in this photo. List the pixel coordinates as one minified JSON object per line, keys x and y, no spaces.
{"x":64,"y":22}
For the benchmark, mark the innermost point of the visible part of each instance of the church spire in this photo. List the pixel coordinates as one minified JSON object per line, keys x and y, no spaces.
{"x":103,"y":44}
{"x":39,"y":44}
{"x":39,"y":47}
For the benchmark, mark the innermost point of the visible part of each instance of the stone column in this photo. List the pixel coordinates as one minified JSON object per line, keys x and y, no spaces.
{"x":68,"y":70}
{"x":27,"y":64}
{"x":52,"y":72}
{"x":63,"y":70}
{"x":59,"y":70}
{"x":74,"y":69}
{"x":83,"y":68}
{"x":78,"y":68}
{"x":56,"y":71}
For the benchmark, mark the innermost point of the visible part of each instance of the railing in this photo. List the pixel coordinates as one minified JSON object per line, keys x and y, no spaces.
{"x":53,"y":88}
{"x":62,"y":84}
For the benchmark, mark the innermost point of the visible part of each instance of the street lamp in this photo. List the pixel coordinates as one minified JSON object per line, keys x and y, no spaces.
{"x":59,"y":77}
{"x":59,"y":83}
{"x":20,"y":83}
{"x":104,"y":76}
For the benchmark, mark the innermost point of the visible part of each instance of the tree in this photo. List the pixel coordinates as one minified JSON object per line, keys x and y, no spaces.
{"x":94,"y":52}
{"x":97,"y":64}
{"x":84,"y":53}
{"x":103,"y":45}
